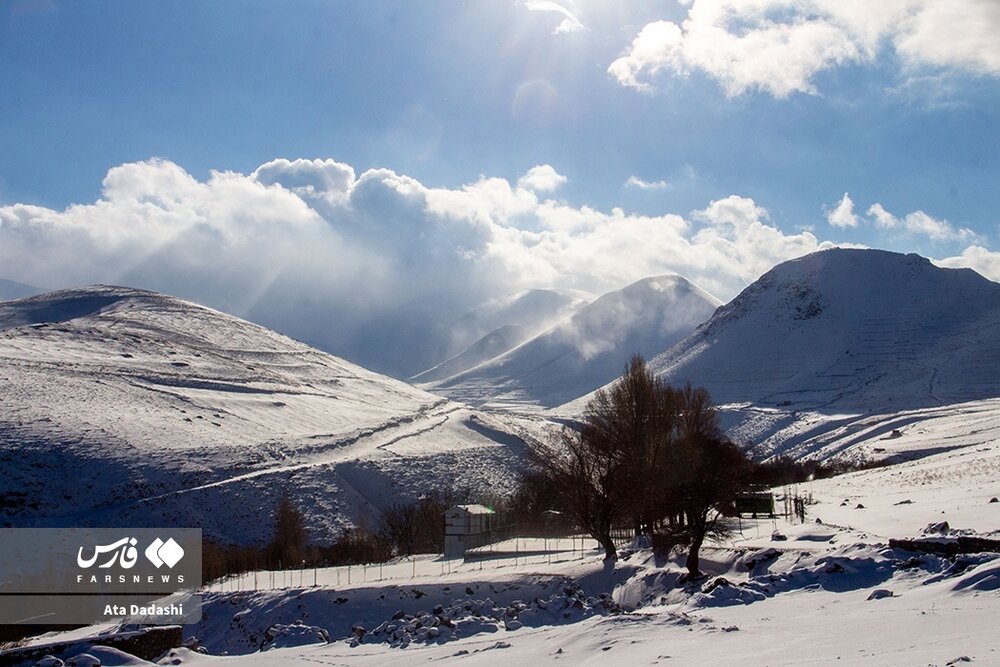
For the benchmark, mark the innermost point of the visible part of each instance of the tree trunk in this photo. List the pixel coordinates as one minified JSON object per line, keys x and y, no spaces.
{"x":693,"y":560}
{"x":610,"y":552}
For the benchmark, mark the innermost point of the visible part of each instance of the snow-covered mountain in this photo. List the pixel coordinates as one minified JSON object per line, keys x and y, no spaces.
{"x":11,"y":289}
{"x":840,"y":340}
{"x":849,"y":328}
{"x":500,"y":325}
{"x":587,"y":349}
{"x":119,"y":405}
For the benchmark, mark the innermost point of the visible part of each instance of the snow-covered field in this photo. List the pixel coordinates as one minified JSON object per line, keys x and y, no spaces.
{"x":826,"y":591}
{"x":124,"y":407}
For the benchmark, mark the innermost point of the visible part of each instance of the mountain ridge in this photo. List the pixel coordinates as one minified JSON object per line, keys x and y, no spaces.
{"x":121,"y":406}
{"x":588,"y":348}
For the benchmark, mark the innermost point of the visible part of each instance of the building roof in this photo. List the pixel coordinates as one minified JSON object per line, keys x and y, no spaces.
{"x":472,"y":509}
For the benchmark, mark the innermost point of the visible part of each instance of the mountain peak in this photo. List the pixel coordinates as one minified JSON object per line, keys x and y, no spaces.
{"x":847,"y":326}
{"x":587,"y":349}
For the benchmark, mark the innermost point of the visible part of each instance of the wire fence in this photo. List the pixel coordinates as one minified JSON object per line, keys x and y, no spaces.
{"x":512,"y":553}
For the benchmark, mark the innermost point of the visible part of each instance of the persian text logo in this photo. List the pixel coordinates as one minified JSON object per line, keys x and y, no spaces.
{"x":122,"y":551}
{"x":159,"y":553}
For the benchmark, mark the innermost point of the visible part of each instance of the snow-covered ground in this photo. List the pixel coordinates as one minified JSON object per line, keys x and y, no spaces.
{"x":125,"y":407}
{"x":826,"y":591}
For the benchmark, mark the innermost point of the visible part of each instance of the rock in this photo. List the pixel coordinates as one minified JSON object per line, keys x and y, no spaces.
{"x":83,"y":660}
{"x":859,"y":507}
{"x":994,"y":500}
{"x":880,"y":593}
{"x":941,"y":527}
{"x":719,"y":581}
{"x":778,"y":537}
{"x":399,"y":615}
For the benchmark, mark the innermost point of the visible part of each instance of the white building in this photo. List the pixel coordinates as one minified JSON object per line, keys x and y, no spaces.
{"x":466,"y":527}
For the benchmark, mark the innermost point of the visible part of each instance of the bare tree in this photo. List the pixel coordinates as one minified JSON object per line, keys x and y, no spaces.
{"x":636,"y":418}
{"x":711,"y":473}
{"x":587,"y":476}
{"x":288,"y":545}
{"x":399,"y":528}
{"x":650,"y":454}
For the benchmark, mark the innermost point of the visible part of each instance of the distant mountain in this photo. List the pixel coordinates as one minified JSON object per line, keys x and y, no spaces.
{"x":852,"y":328}
{"x":125,"y":407}
{"x":10,"y":289}
{"x":500,"y":325}
{"x":587,"y":349}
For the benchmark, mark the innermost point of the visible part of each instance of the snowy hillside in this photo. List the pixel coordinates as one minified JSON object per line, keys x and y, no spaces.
{"x":778,"y":592}
{"x":119,"y":405}
{"x":500,"y":325}
{"x":10,"y":289}
{"x":587,"y":349}
{"x":835,"y":343}
{"x":849,"y":328}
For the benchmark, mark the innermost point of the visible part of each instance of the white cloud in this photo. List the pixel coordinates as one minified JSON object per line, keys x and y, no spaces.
{"x":779,"y":46}
{"x":977,"y":258}
{"x":920,"y":223}
{"x":541,"y":178}
{"x":636,"y":182}
{"x":958,"y":34}
{"x":843,"y":214}
{"x":569,"y":22}
{"x":882,"y":217}
{"x":375,"y":264}
{"x":307,"y":177}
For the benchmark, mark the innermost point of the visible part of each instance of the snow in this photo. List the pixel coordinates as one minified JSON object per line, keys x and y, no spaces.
{"x":499,"y":325}
{"x":586,"y":350}
{"x":823,"y":349}
{"x":125,"y":407}
{"x":812,"y":597}
{"x":856,"y":354}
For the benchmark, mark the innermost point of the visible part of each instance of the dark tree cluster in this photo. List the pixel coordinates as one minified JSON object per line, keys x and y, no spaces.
{"x":417,"y":527}
{"x":649,"y":456}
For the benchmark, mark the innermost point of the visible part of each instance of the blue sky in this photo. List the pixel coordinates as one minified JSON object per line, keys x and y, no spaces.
{"x":660,"y":109}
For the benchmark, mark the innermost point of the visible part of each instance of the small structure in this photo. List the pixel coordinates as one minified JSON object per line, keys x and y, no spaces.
{"x":755,"y":503}
{"x":466,"y":527}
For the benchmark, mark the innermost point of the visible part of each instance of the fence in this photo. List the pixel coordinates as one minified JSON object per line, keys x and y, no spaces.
{"x":513,"y":553}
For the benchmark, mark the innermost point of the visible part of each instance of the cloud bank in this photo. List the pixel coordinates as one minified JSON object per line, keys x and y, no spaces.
{"x":375,"y":266}
{"x":780,"y":46}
